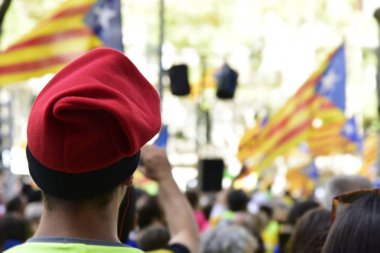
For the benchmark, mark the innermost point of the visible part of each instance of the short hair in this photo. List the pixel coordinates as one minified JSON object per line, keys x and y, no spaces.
{"x":299,"y":209}
{"x":149,"y":212}
{"x":98,"y":202}
{"x":153,"y":237}
{"x":267,"y":210}
{"x":228,"y":239}
{"x":16,"y":228}
{"x":237,"y":200}
{"x":339,"y":185}
{"x":310,"y":232}
{"x":356,"y":228}
{"x":16,"y":204}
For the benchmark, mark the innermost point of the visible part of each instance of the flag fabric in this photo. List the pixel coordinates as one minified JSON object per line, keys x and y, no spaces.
{"x":312,"y":171}
{"x":249,"y":142}
{"x":297,"y":180}
{"x":325,"y":138}
{"x":352,"y":136}
{"x":336,"y":137}
{"x":162,"y":139}
{"x":105,"y":20}
{"x":322,"y":96}
{"x":60,"y":38}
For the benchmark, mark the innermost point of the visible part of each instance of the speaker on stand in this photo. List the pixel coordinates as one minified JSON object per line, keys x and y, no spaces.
{"x":227,"y":81}
{"x":211,"y":174}
{"x":179,"y":81}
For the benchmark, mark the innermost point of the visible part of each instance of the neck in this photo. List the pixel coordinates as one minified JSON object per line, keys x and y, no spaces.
{"x":74,"y":221}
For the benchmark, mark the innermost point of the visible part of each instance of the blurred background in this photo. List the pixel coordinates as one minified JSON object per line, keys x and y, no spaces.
{"x":227,"y":72}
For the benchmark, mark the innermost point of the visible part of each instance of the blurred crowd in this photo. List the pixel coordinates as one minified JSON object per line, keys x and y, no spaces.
{"x":230,"y":220}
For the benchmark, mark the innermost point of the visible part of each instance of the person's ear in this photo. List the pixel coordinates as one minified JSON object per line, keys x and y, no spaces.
{"x":128,"y":182}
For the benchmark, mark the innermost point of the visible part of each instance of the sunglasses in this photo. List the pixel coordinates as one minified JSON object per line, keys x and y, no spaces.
{"x":341,"y":202}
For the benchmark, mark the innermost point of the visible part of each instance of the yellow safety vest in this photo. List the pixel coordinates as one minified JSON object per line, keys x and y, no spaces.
{"x":48,"y":247}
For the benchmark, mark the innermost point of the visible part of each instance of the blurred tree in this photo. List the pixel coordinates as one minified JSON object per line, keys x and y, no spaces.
{"x":198,"y":24}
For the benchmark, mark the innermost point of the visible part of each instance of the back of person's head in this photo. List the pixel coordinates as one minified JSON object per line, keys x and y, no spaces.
{"x":267,"y":210}
{"x":127,"y":212}
{"x":299,"y":209}
{"x":228,"y":239}
{"x":356,"y":228}
{"x":339,"y":185}
{"x":237,"y":200}
{"x":149,"y":212}
{"x":310,"y":232}
{"x":16,"y":205}
{"x":153,"y":237}
{"x":86,"y":128}
{"x":291,"y":217}
{"x":17,"y":230}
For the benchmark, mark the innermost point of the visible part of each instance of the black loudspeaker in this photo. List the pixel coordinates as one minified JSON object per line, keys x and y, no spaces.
{"x":227,"y":82}
{"x":179,"y":82}
{"x":211,"y":174}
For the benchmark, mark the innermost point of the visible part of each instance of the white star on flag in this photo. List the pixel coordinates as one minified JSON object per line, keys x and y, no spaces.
{"x":348,"y":129}
{"x":329,"y":81}
{"x":104,"y":15}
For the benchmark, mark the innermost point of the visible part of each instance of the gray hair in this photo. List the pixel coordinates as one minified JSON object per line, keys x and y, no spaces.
{"x":339,"y":185}
{"x":228,"y":239}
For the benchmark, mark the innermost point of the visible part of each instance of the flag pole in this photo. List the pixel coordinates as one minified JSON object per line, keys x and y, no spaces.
{"x":377,"y":17}
{"x":160,"y":45}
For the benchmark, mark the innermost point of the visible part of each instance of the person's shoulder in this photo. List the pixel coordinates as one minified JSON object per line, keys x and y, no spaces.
{"x":173,"y":248}
{"x":42,"y":247}
{"x":20,"y":248}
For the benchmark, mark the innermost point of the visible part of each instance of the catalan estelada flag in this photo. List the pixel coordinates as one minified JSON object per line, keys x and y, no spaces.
{"x":163,"y":136}
{"x":74,"y":28}
{"x":249,"y":142}
{"x":327,"y":136}
{"x":352,"y":139}
{"x":322,"y":97}
{"x":336,"y":137}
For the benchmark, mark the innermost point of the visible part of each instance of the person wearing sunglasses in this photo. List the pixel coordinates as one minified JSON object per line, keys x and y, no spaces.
{"x":341,"y":184}
{"x":355,"y":223}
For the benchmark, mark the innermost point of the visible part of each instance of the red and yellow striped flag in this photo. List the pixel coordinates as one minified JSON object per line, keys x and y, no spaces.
{"x":288,"y":127}
{"x":249,"y":142}
{"x":292,"y":124}
{"x":325,"y":135}
{"x":54,"y":42}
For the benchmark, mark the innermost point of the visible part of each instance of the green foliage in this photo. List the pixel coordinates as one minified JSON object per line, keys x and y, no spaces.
{"x":22,"y":16}
{"x":197,"y":23}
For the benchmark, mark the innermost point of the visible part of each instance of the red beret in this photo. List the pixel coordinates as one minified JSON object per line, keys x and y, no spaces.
{"x":89,"y":123}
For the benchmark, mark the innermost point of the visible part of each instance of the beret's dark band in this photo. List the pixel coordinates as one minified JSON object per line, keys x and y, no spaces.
{"x":82,"y":185}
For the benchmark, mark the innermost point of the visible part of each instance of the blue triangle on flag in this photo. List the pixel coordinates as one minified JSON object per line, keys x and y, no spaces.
{"x":312,"y":171}
{"x":104,"y":18}
{"x":333,"y":80}
{"x":162,"y":139}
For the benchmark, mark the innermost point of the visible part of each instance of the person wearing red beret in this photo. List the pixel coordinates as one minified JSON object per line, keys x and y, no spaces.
{"x":85,"y":132}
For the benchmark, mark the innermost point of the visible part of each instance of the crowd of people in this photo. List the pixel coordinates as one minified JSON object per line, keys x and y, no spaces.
{"x":230,"y":220}
{"x":87,"y":134}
